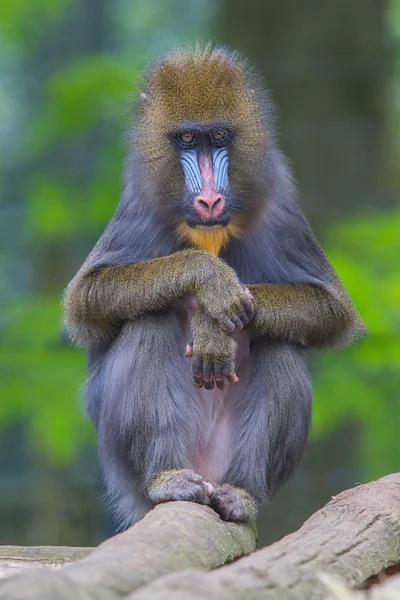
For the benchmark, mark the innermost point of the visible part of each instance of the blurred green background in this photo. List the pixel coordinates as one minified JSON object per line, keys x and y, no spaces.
{"x":68,"y":69}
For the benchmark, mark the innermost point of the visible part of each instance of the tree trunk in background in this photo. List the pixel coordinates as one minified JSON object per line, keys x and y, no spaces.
{"x":47,"y":505}
{"x":327,"y":66}
{"x":81,"y":33}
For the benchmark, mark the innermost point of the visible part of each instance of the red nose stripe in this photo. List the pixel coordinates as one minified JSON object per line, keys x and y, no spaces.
{"x":207,"y":176}
{"x":209,"y":204}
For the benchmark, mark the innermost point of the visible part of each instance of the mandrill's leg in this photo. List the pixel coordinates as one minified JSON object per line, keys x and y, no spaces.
{"x":149,"y":418}
{"x":270,"y":420}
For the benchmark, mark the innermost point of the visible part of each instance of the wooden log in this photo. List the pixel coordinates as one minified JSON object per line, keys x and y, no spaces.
{"x":387,"y":589}
{"x":14,"y":559}
{"x":356,"y":535}
{"x":172,"y":537}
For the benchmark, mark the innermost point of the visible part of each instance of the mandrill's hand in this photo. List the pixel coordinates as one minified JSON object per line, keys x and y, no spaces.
{"x":212,"y":352}
{"x":224,"y":298}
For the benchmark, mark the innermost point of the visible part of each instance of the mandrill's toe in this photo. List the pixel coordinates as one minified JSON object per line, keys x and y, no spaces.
{"x":183,"y":484}
{"x":233,"y":503}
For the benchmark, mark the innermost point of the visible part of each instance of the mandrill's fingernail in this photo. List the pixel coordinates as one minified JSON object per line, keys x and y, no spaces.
{"x":188,"y":351}
{"x":236,"y":379}
{"x":209,"y":488}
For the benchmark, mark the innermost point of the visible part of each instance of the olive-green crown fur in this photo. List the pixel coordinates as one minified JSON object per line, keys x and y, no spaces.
{"x":201,"y":85}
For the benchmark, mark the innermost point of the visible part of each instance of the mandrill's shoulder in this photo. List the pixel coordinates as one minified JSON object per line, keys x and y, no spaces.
{"x":280,"y":246}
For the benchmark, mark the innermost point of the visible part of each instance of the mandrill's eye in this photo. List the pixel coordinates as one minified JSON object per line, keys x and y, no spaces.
{"x":219,"y":137}
{"x":187,"y":140}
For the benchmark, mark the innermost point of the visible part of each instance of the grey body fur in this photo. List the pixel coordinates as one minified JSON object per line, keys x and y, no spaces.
{"x":148,"y":415}
{"x":140,"y":394}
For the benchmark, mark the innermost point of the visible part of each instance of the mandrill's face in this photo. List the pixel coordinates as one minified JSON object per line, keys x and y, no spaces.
{"x":201,"y":136}
{"x":204,"y":156}
{"x":209,"y":205}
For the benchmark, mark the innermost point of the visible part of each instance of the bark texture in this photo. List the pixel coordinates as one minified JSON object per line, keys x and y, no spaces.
{"x":14,"y":559}
{"x":170,"y":538}
{"x":354,"y":537}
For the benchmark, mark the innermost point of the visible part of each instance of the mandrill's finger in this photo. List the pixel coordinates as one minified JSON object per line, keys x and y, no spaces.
{"x":248,"y":308}
{"x":248,"y":293}
{"x":189,"y":348}
{"x":188,"y":351}
{"x":208,"y":384}
{"x":227,"y":325}
{"x":219,"y":377}
{"x":197,"y":371}
{"x":232,"y":377}
{"x":207,"y":369}
{"x":209,"y":488}
{"x":229,"y":373}
{"x":208,"y":380}
{"x":241,"y":313}
{"x":238,"y":322}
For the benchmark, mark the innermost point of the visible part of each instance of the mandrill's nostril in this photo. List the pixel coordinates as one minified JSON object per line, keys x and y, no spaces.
{"x":219,"y":201}
{"x":204,"y":204}
{"x":209,"y":206}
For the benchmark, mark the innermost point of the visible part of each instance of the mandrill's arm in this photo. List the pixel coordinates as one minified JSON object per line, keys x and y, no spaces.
{"x":99,"y":299}
{"x":302,"y":300}
{"x":316,"y":315}
{"x":310,"y":314}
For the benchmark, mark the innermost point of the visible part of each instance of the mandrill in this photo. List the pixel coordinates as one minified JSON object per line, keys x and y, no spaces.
{"x":208,"y":250}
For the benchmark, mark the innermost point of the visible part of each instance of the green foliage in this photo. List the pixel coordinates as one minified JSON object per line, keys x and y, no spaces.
{"x":19,"y":19}
{"x":91,"y":90}
{"x":40,"y":377}
{"x":65,"y":153}
{"x":68,"y":166}
{"x":95,"y":90}
{"x":362,"y":382}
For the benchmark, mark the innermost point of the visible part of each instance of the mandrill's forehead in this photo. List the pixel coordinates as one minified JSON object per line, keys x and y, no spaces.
{"x":200,"y":86}
{"x":200,"y":90}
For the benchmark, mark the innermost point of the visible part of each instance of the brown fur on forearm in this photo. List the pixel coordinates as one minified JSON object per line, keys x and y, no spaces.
{"x":310,"y":314}
{"x":209,"y":341}
{"x":98,"y":300}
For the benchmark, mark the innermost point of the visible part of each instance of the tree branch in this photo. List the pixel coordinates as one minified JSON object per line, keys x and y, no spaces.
{"x":356,"y":535}
{"x":172,"y":537}
{"x":14,"y":559}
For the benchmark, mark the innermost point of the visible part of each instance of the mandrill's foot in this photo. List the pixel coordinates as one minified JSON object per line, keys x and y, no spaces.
{"x":182,"y":484}
{"x":233,"y":503}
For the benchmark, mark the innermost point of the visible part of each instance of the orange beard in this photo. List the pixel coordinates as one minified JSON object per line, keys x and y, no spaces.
{"x":212,"y":240}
